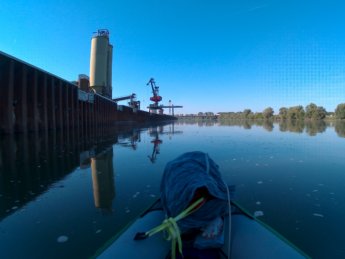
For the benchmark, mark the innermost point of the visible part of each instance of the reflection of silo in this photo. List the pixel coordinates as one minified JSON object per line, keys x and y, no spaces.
{"x":103,"y":179}
{"x":100,"y":63}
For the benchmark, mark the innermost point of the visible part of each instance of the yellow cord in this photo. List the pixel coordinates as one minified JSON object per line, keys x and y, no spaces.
{"x":170,"y":227}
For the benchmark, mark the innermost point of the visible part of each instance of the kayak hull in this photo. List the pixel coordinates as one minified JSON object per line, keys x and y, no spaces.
{"x":249,"y":239}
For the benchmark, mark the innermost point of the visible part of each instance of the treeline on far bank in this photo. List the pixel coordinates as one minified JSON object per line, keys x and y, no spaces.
{"x":310,"y":112}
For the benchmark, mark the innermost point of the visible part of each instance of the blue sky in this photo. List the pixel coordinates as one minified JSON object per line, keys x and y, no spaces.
{"x":207,"y":55}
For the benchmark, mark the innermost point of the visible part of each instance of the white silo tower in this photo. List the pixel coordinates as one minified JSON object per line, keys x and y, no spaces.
{"x":101,"y":63}
{"x":109,"y":71}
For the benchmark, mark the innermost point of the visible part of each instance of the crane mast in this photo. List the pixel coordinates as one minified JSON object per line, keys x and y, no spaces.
{"x":155,"y":98}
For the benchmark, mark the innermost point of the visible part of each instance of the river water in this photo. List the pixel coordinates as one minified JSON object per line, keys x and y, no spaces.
{"x":64,"y":195}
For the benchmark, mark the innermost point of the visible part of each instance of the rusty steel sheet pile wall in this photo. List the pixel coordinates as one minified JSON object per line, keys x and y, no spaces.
{"x":35,"y":100}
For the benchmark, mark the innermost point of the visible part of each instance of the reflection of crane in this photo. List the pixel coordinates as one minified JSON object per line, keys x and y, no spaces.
{"x":156,"y":142}
{"x":155,"y":132}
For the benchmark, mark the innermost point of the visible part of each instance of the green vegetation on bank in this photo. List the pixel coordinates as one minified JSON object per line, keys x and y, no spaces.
{"x":310,"y":112}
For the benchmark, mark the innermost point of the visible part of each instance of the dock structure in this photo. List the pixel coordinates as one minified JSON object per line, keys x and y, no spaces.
{"x":33,"y":100}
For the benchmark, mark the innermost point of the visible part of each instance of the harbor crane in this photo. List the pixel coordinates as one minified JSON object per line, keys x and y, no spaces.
{"x":155,"y":91}
{"x":156,"y":98}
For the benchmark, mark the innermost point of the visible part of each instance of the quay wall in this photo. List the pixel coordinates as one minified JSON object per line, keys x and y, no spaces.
{"x":33,"y":100}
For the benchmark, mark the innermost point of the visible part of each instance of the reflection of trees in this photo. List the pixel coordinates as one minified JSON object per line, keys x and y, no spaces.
{"x":292,"y":125}
{"x":207,"y":123}
{"x":340,"y":128}
{"x":314,"y":127}
{"x":283,"y":125}
{"x":248,"y":124}
{"x":311,"y":127}
{"x":268,"y":125}
{"x":200,"y":121}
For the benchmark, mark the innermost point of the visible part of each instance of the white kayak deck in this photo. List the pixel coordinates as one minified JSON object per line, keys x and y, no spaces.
{"x":249,"y":239}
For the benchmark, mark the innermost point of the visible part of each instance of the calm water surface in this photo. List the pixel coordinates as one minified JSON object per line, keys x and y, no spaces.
{"x":65,"y":195}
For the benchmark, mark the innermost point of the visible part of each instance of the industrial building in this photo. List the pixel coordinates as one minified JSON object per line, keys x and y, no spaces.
{"x":101,"y":59}
{"x":35,"y":100}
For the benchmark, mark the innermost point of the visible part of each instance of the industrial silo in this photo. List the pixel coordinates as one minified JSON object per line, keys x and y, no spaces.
{"x":100,"y":63}
{"x":109,"y":71}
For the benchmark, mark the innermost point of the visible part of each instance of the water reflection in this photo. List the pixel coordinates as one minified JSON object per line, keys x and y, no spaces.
{"x":155,"y":133}
{"x":88,"y":178}
{"x":312,"y":128}
{"x":31,"y":164}
{"x":103,"y":179}
{"x":340,"y":128}
{"x":100,"y":158}
{"x":296,"y":126}
{"x":130,"y":139}
{"x":199,"y":122}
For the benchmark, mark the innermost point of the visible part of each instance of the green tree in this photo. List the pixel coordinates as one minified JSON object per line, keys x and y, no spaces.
{"x":314,"y":112}
{"x":283,"y":111}
{"x":258,"y":116}
{"x":246,"y":113}
{"x":340,"y":111}
{"x":310,"y":111}
{"x":296,"y":113}
{"x":321,"y":113}
{"x":268,"y":113}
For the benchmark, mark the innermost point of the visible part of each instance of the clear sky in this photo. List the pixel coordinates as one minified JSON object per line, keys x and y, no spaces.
{"x":207,"y":55}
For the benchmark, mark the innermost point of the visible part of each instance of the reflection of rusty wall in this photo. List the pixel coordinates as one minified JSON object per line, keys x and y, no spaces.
{"x":103,"y":179}
{"x":31,"y":163}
